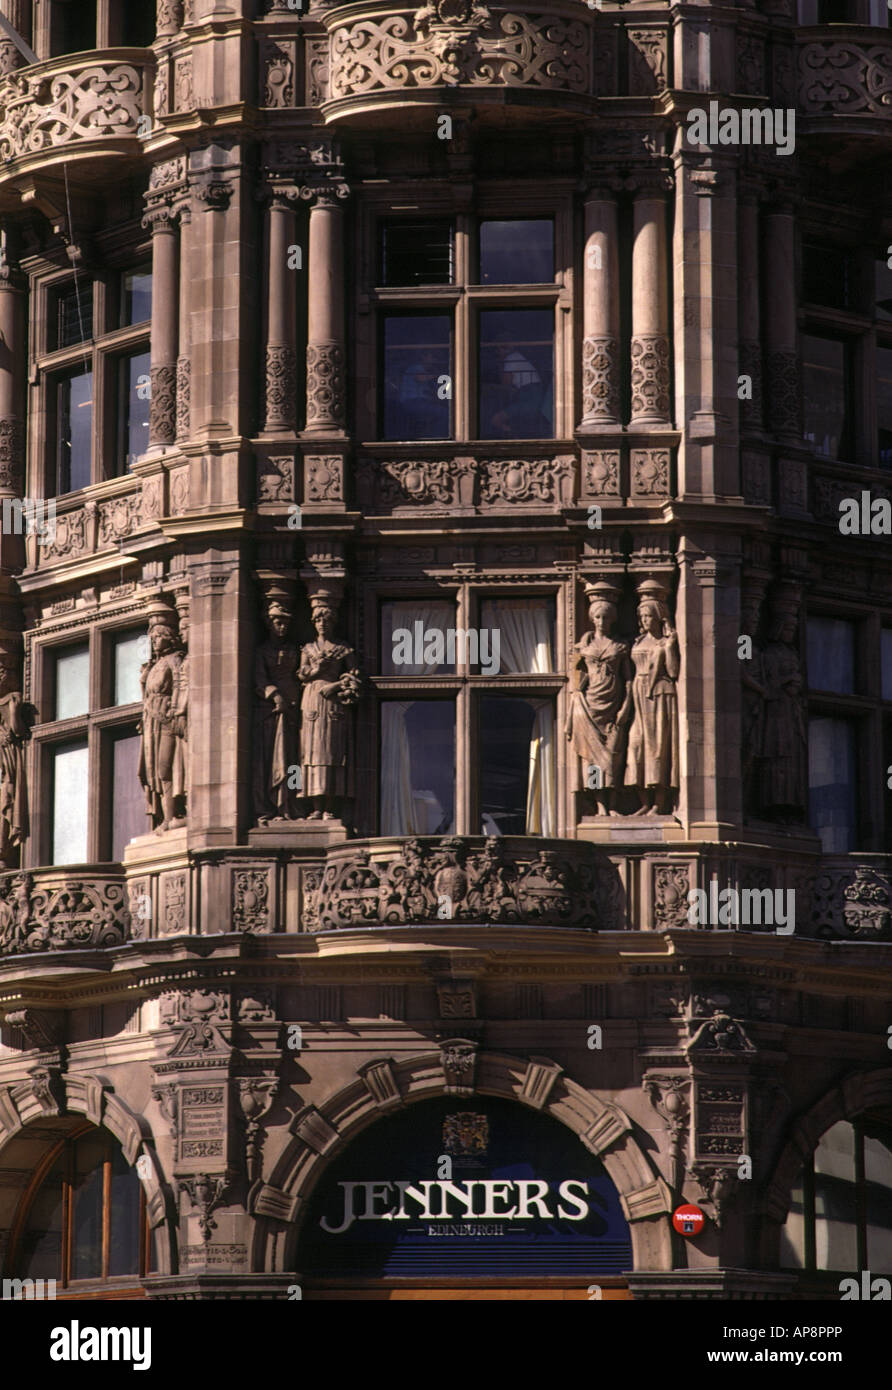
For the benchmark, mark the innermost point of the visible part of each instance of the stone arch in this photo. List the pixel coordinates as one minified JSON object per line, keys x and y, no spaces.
{"x":49,"y":1094}
{"x":385,"y":1085}
{"x":845,"y":1101}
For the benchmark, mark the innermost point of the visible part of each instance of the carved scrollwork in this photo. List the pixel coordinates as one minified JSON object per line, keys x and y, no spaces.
{"x":12,"y":452}
{"x":325,"y":384}
{"x":650,"y":377}
{"x":650,"y":472}
{"x":281,"y":387}
{"x":845,"y":76}
{"x":600,"y":379}
{"x":74,"y":914}
{"x":163,"y":404}
{"x":527,"y":480}
{"x":184,"y":397}
{"x":84,"y":102}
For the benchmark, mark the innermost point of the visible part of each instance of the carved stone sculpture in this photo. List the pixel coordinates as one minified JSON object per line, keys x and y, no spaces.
{"x":277,"y":692}
{"x":16,"y":719}
{"x":600,"y":709}
{"x":162,"y":761}
{"x":332,"y":683}
{"x":653,"y":742}
{"x":783,"y":757}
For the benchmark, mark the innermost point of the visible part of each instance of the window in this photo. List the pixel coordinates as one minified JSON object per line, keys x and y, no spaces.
{"x":89,"y":749}
{"x":840,"y":1216}
{"x":72,"y":27}
{"x":884,"y":407}
{"x":92,"y":367}
{"x":826,"y":275}
{"x":466,"y":329}
{"x":87,"y":1217}
{"x":831,"y":655}
{"x":826,"y":391}
{"x":883,"y":289}
{"x":445,"y":705}
{"x":886,"y":662}
{"x":832,"y":766}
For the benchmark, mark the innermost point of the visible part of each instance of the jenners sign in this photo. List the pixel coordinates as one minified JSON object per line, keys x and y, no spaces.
{"x":483,"y":1199}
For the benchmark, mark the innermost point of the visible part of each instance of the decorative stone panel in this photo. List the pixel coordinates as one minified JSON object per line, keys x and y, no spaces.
{"x":60,"y":911}
{"x":48,"y":105}
{"x":847,"y":75}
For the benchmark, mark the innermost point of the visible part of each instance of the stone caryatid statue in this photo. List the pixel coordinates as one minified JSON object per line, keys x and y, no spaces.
{"x":277,"y":700}
{"x":16,"y":719}
{"x":163,"y":756}
{"x":782,"y":769}
{"x":331,"y":684}
{"x":601,"y":707}
{"x":652,"y":765}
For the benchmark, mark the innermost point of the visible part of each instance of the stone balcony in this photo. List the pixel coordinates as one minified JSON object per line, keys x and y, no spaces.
{"x":75,"y":108}
{"x":62,"y":909}
{"x":845,"y":71}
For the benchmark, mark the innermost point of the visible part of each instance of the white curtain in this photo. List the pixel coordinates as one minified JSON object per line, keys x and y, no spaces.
{"x":524,"y":628}
{"x":402,"y":812}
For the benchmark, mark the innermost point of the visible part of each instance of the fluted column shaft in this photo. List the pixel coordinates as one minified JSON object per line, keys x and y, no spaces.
{"x":325,"y":325}
{"x":280,"y":353}
{"x":600,"y":307}
{"x":650,"y":338}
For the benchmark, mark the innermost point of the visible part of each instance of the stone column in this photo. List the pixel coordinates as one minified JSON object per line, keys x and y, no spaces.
{"x":165,"y":294}
{"x":325,"y":326}
{"x":169,"y":18}
{"x":650,"y":338}
{"x":280,"y":385}
{"x":600,"y":290}
{"x":12,"y":363}
{"x":184,"y":360}
{"x":782,"y":355}
{"x":18,"y":12}
{"x":748,"y":308}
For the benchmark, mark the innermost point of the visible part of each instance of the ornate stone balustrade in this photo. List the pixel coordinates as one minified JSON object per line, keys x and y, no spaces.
{"x":384,"y":485}
{"x":61,"y":910}
{"x":103,"y":522}
{"x":549,"y":883}
{"x":851,"y":897}
{"x":73,"y":101}
{"x":845,"y":72}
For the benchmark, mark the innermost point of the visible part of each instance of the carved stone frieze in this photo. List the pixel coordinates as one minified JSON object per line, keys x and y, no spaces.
{"x":119,"y":517}
{"x":846,"y":76}
{"x":183,"y":93}
{"x":61,"y":913}
{"x":199,"y":1015}
{"x":671,"y":886}
{"x":184,"y":396}
{"x":650,"y":472}
{"x":205,"y":1193}
{"x":316,"y":68}
{"x":324,"y":478}
{"x":277,"y":69}
{"x":275,"y":479}
{"x":849,"y":896}
{"x":250,"y":900}
{"x":459,"y":880}
{"x":527,"y":480}
{"x":647,"y":61}
{"x":82,"y":101}
{"x":600,"y":473}
{"x":720,"y":1034}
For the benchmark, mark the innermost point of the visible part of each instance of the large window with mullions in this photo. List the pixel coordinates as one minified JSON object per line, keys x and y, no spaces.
{"x":467,"y":334}
{"x":840,"y":1215}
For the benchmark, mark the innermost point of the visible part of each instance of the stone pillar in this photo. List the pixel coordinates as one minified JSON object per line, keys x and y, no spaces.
{"x":748,"y":309}
{"x":781,"y":346}
{"x":600,"y":291}
{"x":650,"y":338}
{"x":280,"y":385}
{"x":12,"y":363}
{"x":165,"y":254}
{"x":18,"y":12}
{"x":325,"y":327}
{"x":184,"y":360}
{"x":169,"y":18}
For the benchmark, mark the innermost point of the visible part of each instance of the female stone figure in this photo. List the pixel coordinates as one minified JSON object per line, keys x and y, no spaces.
{"x":331,"y":684}
{"x":16,"y":718}
{"x":783,"y":761}
{"x":161,"y":771}
{"x":601,"y":707}
{"x":278,"y":692}
{"x":653,"y":741}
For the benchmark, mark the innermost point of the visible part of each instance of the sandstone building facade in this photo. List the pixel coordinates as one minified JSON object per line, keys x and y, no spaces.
{"x":421,"y":577}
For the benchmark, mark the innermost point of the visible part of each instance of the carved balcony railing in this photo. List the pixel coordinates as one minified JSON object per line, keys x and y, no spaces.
{"x":75,"y":105}
{"x":499,"y":881}
{"x":442,"y":485}
{"x":62,"y":910}
{"x":845,"y":71}
{"x":851,"y":898}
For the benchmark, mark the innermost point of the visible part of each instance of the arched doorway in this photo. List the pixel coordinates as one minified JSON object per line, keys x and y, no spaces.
{"x":474,"y":1197}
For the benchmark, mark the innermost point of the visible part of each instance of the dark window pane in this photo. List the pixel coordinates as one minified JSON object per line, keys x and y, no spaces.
{"x":886,"y":650}
{"x":72,"y":26}
{"x":123,"y":1255}
{"x":516,"y":751}
{"x":887,"y":790}
{"x":40,"y":1250}
{"x":831,"y":780}
{"x":831,"y":655}
{"x":826,"y":399}
{"x":74,"y":431}
{"x":878,"y":1175}
{"x":139,"y":26}
{"x":884,"y":407}
{"x":517,"y":253}
{"x":128,"y":802}
{"x":136,"y":295}
{"x":70,"y":775}
{"x":417,"y":767}
{"x":417,"y":253}
{"x":86,"y":1234}
{"x":72,"y":682}
{"x":417,"y":354}
{"x":74,"y":314}
{"x":883,"y":289}
{"x":826,"y":276}
{"x":836,"y":12}
{"x":517,"y":374}
{"x":134,"y":406}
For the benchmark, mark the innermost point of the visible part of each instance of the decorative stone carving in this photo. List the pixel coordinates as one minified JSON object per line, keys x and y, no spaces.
{"x":162,"y":406}
{"x":277,"y":698}
{"x":782,"y":376}
{"x":167,"y":1097}
{"x":845,"y":77}
{"x":601,"y":707}
{"x":650,"y":377}
{"x":82,"y":101}
{"x":169,"y":17}
{"x":276,"y":73}
{"x":324,"y":475}
{"x":527,"y":480}
{"x":722,"y":1034}
{"x":16,"y":720}
{"x":275,"y":479}
{"x":600,"y":473}
{"x":119,"y":517}
{"x":281,"y":387}
{"x":163,"y":761}
{"x":200,"y":1014}
{"x":750,"y":64}
{"x":184,"y":397}
{"x":458,"y":1057}
{"x":868,"y":905}
{"x":381,"y":1083}
{"x":719,"y":1186}
{"x":250,"y":900}
{"x":168,"y":173}
{"x":325,"y":384}
{"x":671,"y":886}
{"x":173,"y":910}
{"x":179,"y":491}
{"x":477,"y":883}
{"x":650,"y":472}
{"x":43,"y":1028}
{"x":451,"y":43}
{"x":421,"y":482}
{"x":256,"y":1096}
{"x":647,"y":61}
{"x":600,"y":379}
{"x":782,"y":763}
{"x":207,"y":1194}
{"x":332,"y":685}
{"x":756,"y":479}
{"x":12,"y":453}
{"x":74,"y":914}
{"x":183,"y":94}
{"x":653,"y":766}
